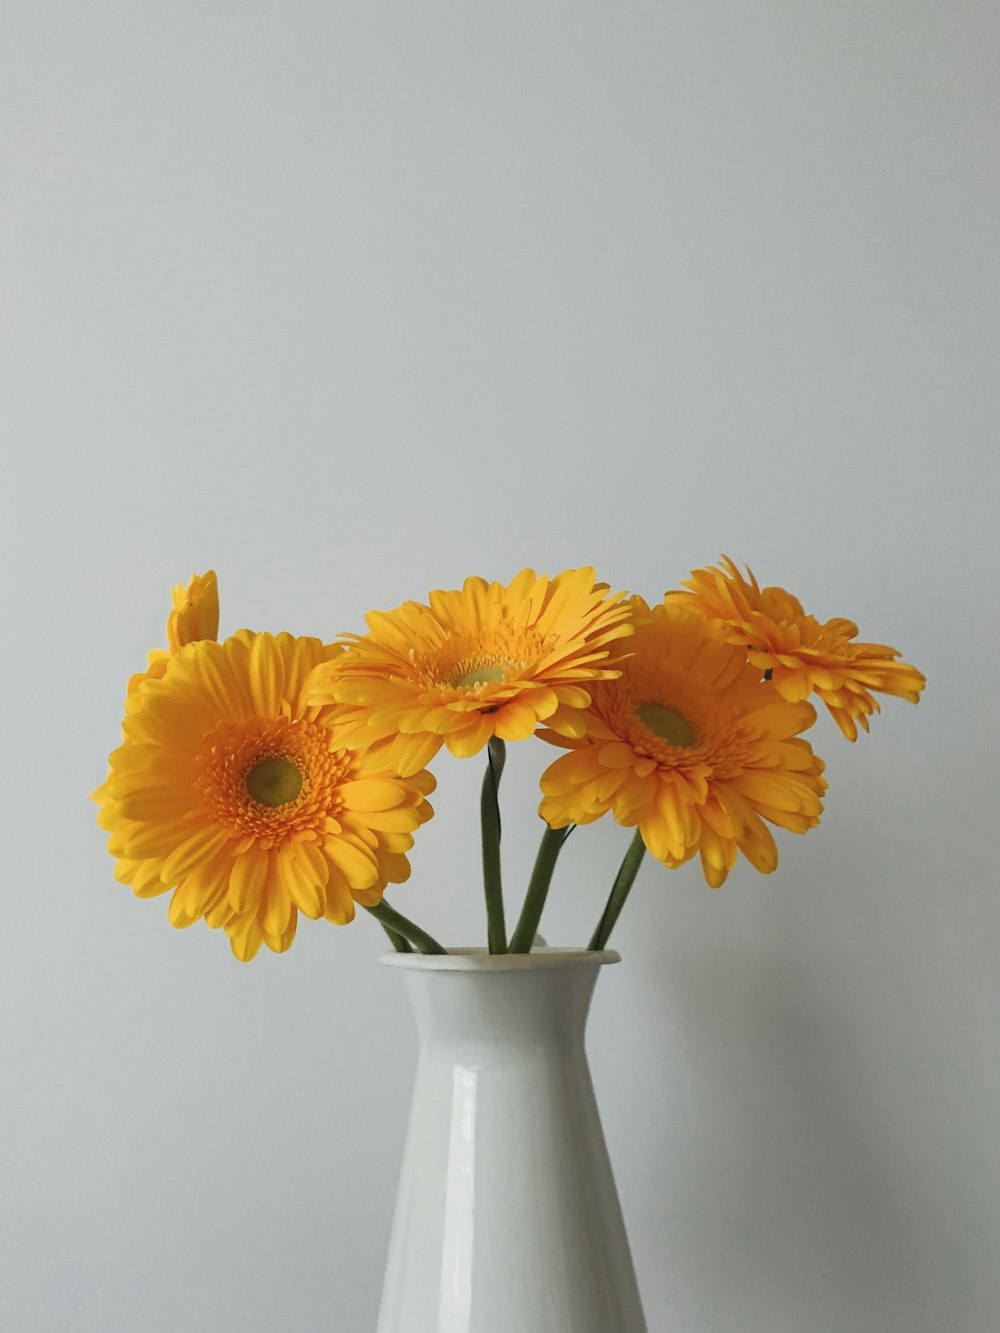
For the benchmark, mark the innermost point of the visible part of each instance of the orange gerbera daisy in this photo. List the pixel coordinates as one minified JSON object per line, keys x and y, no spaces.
{"x":691,"y":745}
{"x":227,"y":791}
{"x":486,"y":660}
{"x":803,"y":656}
{"x":195,"y":615}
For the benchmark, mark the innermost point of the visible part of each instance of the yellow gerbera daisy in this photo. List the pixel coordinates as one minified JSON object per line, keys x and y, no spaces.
{"x":195,"y":615}
{"x":691,"y":745}
{"x":228,"y":791}
{"x":803,"y":656}
{"x":486,"y":660}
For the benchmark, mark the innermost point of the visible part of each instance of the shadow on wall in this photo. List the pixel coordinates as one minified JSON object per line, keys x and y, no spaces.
{"x":774,"y":1206}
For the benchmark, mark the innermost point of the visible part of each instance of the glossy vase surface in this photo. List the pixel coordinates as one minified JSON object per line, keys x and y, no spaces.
{"x":507,"y":1218}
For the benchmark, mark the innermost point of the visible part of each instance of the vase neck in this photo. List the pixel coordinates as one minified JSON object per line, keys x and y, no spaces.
{"x":503,"y":1007}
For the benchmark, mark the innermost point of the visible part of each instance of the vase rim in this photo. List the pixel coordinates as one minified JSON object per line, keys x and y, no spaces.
{"x":481,"y":960}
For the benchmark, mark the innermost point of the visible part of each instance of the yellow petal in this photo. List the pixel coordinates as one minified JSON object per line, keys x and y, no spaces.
{"x":515,"y":722}
{"x":339,"y":903}
{"x":247,"y":880}
{"x":616,"y":754}
{"x":468,"y":742}
{"x":276,"y":905}
{"x":395,"y":821}
{"x":373,"y":794}
{"x":359,"y":871}
{"x":179,"y":913}
{"x":409,"y":754}
{"x":267,"y":676}
{"x":200,"y":846}
{"x":280,"y":943}
{"x":148,"y":804}
{"x":276,"y":909}
{"x":245,"y":938}
{"x":307,"y":893}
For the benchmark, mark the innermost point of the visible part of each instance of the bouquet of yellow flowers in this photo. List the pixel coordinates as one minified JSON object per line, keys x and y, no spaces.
{"x":268,"y":775}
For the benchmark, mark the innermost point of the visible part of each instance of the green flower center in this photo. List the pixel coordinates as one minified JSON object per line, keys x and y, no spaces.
{"x":483,"y":669}
{"x":273,"y":781}
{"x":484,"y":675}
{"x":667,"y":723}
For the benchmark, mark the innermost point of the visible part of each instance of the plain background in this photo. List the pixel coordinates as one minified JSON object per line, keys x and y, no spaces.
{"x":352,"y":300}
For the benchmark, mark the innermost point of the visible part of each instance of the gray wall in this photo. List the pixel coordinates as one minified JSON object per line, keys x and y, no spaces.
{"x":351,"y":300}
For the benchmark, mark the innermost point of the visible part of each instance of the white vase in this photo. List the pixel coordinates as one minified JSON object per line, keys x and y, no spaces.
{"x":507,"y":1218}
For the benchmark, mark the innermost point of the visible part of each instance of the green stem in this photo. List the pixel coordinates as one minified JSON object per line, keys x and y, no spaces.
{"x":398,"y":924}
{"x":400,"y":944}
{"x":619,"y":891}
{"x":538,"y":888}
{"x":489,"y":813}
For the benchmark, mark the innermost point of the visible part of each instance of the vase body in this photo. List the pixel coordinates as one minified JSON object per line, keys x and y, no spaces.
{"x":507,"y":1218}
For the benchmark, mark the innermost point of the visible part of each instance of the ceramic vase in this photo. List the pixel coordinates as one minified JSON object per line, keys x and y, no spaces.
{"x":507,"y":1218}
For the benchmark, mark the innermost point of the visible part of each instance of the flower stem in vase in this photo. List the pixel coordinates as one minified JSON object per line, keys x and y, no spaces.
{"x":489,"y":810}
{"x":396,"y":924}
{"x":619,"y":891}
{"x":538,"y":888}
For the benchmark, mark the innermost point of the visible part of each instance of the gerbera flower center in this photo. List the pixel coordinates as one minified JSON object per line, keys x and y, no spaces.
{"x":273,"y":778}
{"x":667,"y":723}
{"x":274,"y":781}
{"x":486,"y":669}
